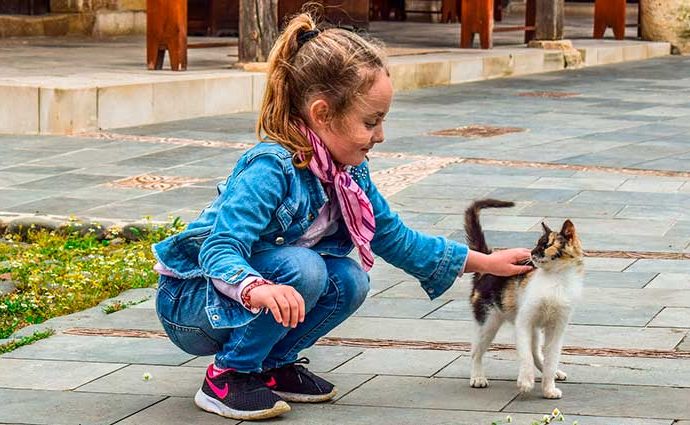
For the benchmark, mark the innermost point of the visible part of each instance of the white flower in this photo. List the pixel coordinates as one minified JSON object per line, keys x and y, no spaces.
{"x":147,"y":376}
{"x":509,"y":419}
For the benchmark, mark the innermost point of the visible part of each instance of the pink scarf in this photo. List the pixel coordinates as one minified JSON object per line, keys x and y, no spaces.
{"x":354,"y":204}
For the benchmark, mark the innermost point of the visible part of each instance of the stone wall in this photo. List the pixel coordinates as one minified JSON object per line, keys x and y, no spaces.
{"x":667,"y":20}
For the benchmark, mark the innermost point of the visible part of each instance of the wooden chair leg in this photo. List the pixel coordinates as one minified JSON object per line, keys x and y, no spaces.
{"x":166,"y":29}
{"x":530,"y":20}
{"x":477,"y":16}
{"x":609,"y":13}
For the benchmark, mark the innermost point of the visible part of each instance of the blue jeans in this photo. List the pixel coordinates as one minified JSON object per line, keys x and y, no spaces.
{"x":332,"y":287}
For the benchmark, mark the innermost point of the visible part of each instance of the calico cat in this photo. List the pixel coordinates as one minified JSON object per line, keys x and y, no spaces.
{"x":540,"y":301}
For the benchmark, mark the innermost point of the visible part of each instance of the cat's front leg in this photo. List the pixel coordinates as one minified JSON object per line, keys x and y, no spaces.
{"x":553,"y":344}
{"x":523,"y":339}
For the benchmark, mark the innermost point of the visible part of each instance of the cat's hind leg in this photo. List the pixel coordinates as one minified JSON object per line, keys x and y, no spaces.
{"x":539,"y":356}
{"x":484,"y":334}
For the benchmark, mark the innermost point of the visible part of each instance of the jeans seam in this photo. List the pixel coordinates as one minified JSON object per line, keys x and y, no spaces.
{"x":321,"y":324}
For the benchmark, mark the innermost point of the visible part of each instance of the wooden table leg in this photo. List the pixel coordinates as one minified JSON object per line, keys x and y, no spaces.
{"x":609,"y":13}
{"x":477,"y":16}
{"x":166,"y":29}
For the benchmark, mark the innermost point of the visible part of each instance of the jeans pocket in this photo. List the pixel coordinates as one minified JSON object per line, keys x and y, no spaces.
{"x":190,"y":339}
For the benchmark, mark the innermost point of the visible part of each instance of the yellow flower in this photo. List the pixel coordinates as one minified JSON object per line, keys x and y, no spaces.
{"x":147,"y":376}
{"x":556,"y":412}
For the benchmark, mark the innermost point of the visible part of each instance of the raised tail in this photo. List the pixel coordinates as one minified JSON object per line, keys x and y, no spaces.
{"x":473,"y":229}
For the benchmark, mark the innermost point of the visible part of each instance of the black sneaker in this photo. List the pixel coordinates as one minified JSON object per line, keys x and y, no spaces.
{"x":238,"y":396}
{"x":294,"y":382}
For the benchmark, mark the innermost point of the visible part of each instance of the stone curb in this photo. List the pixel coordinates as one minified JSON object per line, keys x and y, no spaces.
{"x":130,"y":230}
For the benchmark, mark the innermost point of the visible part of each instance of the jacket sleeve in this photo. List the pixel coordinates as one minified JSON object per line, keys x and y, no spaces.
{"x":434,"y":260}
{"x":248,"y":203}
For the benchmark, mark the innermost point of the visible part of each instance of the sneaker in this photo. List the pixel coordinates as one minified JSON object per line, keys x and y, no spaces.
{"x":294,"y":382}
{"x":238,"y":396}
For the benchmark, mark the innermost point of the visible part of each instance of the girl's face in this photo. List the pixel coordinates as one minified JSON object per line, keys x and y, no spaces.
{"x":351,"y":137}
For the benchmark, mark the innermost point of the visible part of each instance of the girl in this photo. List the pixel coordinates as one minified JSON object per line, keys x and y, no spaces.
{"x":276,"y":239}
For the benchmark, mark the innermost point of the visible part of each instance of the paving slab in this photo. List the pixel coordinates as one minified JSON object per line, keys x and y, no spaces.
{"x":365,"y":415}
{"x":103,"y":349}
{"x":176,"y":411}
{"x":670,"y":281}
{"x":612,"y":400}
{"x":51,"y":375}
{"x":68,"y":408}
{"x":607,"y":264}
{"x":398,"y":307}
{"x":504,"y":366}
{"x":429,"y":393}
{"x":672,"y":317}
{"x":399,"y":362}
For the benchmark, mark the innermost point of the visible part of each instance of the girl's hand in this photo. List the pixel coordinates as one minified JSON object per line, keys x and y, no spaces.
{"x":507,"y":262}
{"x":284,"y":302}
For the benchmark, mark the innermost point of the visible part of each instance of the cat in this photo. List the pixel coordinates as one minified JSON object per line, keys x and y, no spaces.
{"x":538,"y":301}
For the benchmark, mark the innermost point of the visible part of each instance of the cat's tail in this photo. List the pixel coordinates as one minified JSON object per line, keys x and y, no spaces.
{"x":473,"y":229}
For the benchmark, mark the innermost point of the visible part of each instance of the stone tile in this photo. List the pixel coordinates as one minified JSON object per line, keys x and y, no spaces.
{"x":21,"y":115}
{"x":607,"y":264}
{"x":672,"y":317}
{"x":498,"y":66}
{"x":139,"y":110}
{"x":176,"y":411}
{"x":130,"y":318}
{"x":68,"y":111}
{"x":496,"y":222}
{"x":582,"y":183}
{"x":365,"y":415}
{"x":462,"y":331}
{"x":59,"y":206}
{"x":660,"y":211}
{"x":327,"y":358}
{"x":657,"y":49}
{"x":412,"y":290}
{"x":258,"y":87}
{"x":429,"y":393}
{"x":640,"y":185}
{"x":38,"y":407}
{"x":50,"y":375}
{"x":639,"y":297}
{"x":530,"y":62}
{"x":165,"y":380}
{"x":158,"y":351}
{"x":544,"y":195}
{"x":612,"y":400}
{"x":387,"y":361}
{"x":608,"y":279}
{"x":504,"y":365}
{"x":635,"y":52}
{"x":573,"y":211}
{"x":429,"y":74}
{"x":67,"y":181}
{"x":663,"y":266}
{"x":670,"y":281}
{"x":609,"y":55}
{"x":403,"y":76}
{"x":398,"y":307}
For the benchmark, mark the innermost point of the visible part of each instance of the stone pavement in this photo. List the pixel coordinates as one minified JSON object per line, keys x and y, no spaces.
{"x":608,"y":147}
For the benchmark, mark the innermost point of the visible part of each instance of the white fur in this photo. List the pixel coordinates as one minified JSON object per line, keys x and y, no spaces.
{"x":544,"y":307}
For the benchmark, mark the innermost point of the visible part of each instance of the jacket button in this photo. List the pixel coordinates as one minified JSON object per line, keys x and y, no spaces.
{"x":430,"y":290}
{"x":310,"y":216}
{"x":280,"y":240}
{"x":215,"y":317}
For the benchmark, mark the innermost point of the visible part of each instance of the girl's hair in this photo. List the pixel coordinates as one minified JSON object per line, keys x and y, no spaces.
{"x":334,"y":63}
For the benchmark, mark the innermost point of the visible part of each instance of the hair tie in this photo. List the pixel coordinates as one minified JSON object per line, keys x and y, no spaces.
{"x":305,"y":36}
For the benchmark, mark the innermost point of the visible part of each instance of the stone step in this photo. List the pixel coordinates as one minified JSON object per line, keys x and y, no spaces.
{"x":89,"y":102}
{"x":101,"y":23}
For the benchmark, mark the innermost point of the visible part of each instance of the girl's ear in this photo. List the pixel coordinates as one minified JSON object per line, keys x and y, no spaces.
{"x":319,"y":113}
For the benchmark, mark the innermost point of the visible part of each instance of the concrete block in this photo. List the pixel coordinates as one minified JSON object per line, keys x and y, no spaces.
{"x":635,"y":52}
{"x":430,"y":74}
{"x":67,"y":110}
{"x":125,"y":106}
{"x":113,"y":23}
{"x":553,"y":61}
{"x":658,"y":49}
{"x":258,"y":88}
{"x":228,"y":94}
{"x":18,"y":110}
{"x":177,"y":100}
{"x":589,"y":56}
{"x":528,"y":63}
{"x":463,"y":70}
{"x":498,"y":66}
{"x":608,"y":55}
{"x":403,"y":76}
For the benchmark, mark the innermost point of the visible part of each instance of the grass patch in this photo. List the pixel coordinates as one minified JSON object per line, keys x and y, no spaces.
{"x":25,"y":340}
{"x":119,"y":306}
{"x":59,"y":274}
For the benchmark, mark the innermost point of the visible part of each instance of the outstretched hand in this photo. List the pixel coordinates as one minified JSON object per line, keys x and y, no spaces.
{"x":507,"y":262}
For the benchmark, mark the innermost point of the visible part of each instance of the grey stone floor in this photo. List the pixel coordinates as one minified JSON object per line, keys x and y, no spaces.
{"x":615,"y":159}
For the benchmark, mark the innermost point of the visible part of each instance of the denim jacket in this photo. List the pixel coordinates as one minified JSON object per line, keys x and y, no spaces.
{"x":266,"y":203}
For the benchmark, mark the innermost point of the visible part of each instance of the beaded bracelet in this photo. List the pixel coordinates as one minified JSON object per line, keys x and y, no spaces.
{"x":246,"y":297}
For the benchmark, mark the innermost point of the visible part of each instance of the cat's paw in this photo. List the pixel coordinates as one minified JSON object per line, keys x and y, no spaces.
{"x":552,"y":393}
{"x":561,"y":376}
{"x":479,"y":382}
{"x":525,"y":382}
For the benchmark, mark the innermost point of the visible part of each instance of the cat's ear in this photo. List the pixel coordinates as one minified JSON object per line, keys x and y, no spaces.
{"x":568,"y":230}
{"x":546,"y":228}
